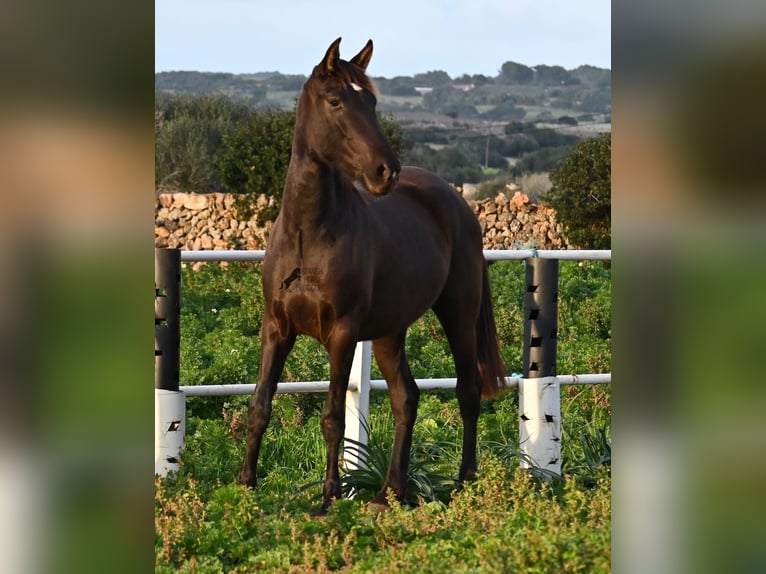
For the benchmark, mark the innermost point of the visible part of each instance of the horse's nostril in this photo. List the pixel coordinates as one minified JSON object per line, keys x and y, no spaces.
{"x":385,"y":173}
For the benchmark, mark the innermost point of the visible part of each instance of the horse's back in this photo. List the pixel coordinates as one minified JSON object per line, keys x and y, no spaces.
{"x":444,"y":205}
{"x":452,"y":212}
{"x":427,"y":185}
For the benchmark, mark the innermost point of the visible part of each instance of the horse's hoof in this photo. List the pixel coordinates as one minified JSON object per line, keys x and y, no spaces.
{"x":377,"y":506}
{"x":380,"y":502}
{"x":245,"y":480}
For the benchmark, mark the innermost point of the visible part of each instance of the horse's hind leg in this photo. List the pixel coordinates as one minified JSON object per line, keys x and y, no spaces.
{"x":459,"y":322}
{"x":404,"y":395}
{"x":274,"y":351}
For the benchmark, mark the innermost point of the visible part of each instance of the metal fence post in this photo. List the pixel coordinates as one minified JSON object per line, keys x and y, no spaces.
{"x":169,"y":403}
{"x":358,"y":404}
{"x":539,"y":398}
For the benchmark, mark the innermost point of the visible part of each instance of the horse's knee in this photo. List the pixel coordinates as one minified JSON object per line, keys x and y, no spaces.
{"x":404,"y":403}
{"x":258,"y":417}
{"x":333,"y":425}
{"x":410,"y":405}
{"x":468,"y":394}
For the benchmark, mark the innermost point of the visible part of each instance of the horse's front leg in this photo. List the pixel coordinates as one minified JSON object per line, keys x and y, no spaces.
{"x":274,"y":351}
{"x":341,"y":351}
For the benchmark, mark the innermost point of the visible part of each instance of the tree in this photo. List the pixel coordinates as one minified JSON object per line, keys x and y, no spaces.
{"x":582,"y":193}
{"x":566,"y":121}
{"x":480,"y":80}
{"x":544,"y":159}
{"x":447,"y":100}
{"x":433,"y":78}
{"x":552,"y":75}
{"x":592,"y":75}
{"x":514,"y":73}
{"x":507,"y":109}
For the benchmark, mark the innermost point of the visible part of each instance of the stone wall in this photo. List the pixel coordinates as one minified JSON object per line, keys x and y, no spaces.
{"x":517,"y":223}
{"x":196,"y":221}
{"x":206,"y":221}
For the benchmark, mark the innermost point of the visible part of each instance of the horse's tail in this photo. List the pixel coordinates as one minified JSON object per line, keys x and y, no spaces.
{"x":489,"y":361}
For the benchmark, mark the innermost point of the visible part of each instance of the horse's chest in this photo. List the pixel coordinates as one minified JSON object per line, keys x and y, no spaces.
{"x":301,"y":301}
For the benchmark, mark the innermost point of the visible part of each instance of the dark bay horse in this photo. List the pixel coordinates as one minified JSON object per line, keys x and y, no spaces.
{"x":361,"y":249}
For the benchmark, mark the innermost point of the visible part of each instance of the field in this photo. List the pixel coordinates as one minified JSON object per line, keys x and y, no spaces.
{"x":507,"y":520}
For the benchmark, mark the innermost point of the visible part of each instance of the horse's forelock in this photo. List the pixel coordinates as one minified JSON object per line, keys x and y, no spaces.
{"x":357,"y":76}
{"x":349,"y":74}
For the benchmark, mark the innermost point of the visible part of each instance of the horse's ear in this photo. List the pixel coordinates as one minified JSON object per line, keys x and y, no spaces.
{"x":362,"y":59}
{"x":331,"y":57}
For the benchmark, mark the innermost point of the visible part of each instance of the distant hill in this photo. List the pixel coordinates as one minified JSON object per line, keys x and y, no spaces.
{"x":518,"y":92}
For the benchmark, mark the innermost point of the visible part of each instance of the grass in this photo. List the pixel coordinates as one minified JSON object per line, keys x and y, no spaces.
{"x":507,"y":520}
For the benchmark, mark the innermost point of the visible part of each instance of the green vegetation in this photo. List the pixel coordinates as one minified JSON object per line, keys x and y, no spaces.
{"x":582,"y":193}
{"x":188,"y":131}
{"x":507,"y":520}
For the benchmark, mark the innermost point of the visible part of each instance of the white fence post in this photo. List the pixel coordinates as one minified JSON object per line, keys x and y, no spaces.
{"x":169,"y":402}
{"x":539,"y":398}
{"x":358,"y":403}
{"x":540,"y":423}
{"x":169,"y":429}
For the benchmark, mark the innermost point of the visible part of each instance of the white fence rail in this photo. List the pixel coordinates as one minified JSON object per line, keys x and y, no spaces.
{"x":375,"y":385}
{"x":489,"y":255}
{"x":539,"y":416}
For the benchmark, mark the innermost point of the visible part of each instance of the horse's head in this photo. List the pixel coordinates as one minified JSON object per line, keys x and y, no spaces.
{"x":337,"y":124}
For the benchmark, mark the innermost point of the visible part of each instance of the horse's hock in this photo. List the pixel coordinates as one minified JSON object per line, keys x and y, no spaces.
{"x":210,"y":221}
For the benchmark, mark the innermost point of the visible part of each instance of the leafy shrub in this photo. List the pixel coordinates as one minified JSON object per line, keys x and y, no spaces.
{"x":188,"y":131}
{"x":582,"y":193}
{"x":254,"y":156}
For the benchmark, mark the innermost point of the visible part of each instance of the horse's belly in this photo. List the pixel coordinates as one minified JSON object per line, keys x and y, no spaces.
{"x":392,"y":310}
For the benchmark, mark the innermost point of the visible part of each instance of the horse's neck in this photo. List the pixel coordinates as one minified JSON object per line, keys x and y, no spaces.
{"x":312,"y":195}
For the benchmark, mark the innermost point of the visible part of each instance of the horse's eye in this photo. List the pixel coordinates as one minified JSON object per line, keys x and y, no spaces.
{"x":334,"y":102}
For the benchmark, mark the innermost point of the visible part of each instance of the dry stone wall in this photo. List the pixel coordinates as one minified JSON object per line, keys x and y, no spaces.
{"x":206,"y":221}
{"x":210,"y":221}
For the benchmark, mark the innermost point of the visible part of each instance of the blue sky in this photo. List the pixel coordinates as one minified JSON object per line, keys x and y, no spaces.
{"x":410,"y":36}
